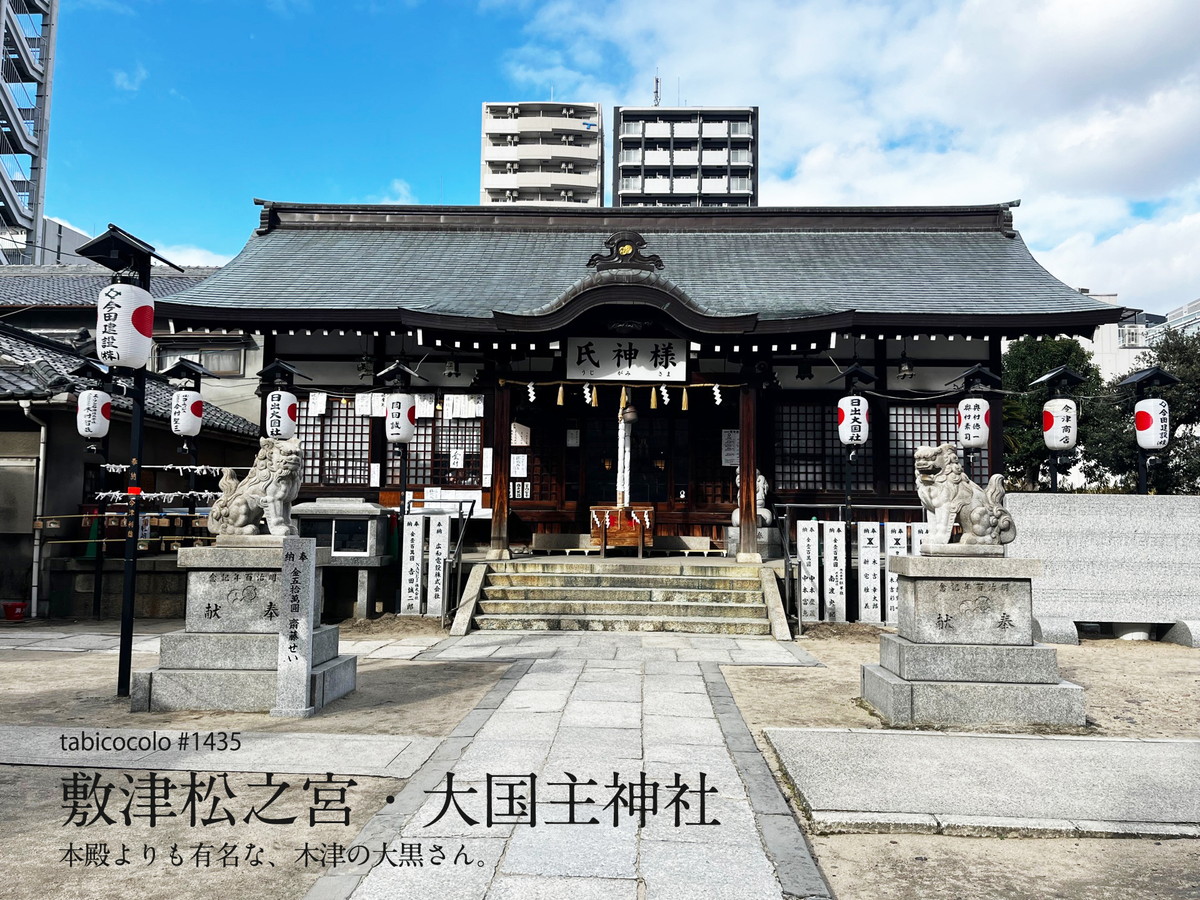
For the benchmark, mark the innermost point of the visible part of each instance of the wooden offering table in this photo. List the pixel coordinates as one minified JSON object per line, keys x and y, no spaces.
{"x":623,"y":526}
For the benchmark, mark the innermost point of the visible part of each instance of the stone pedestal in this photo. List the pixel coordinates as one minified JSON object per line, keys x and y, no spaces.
{"x":964,"y":653}
{"x":767,"y":537}
{"x":227,"y":655}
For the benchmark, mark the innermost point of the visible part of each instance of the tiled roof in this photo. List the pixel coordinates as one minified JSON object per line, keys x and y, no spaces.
{"x":36,"y":368}
{"x":778,"y":263}
{"x":76,"y":286}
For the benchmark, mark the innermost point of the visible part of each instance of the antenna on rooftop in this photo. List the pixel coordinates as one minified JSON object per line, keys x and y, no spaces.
{"x":657,"y":88}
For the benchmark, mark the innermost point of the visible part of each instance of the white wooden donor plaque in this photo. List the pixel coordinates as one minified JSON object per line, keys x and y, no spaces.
{"x":439,"y":550}
{"x":895,"y":544}
{"x":296,"y":617}
{"x":920,"y":534}
{"x":870,"y":578}
{"x":808,"y":542}
{"x":833,"y":564}
{"x":412,"y":552}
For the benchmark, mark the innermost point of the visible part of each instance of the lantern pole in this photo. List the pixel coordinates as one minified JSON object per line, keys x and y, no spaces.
{"x":1059,"y":381}
{"x":121,"y":252}
{"x":1139,"y":381}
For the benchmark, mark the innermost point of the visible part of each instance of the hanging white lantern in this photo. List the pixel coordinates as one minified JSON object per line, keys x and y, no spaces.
{"x":1060,"y":424}
{"x":187,"y":413}
{"x":974,"y":422}
{"x":93,"y":414}
{"x":282,"y":411}
{"x":401,"y":422}
{"x":124,"y":325}
{"x":854,"y":420}
{"x":1152,"y":424}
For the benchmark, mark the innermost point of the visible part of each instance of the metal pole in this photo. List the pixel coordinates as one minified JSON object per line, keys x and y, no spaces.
{"x":1143,"y":473}
{"x":134,"y":490}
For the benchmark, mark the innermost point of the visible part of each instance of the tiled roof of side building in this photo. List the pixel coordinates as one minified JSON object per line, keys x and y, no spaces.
{"x":37,"y":368}
{"x":78,"y":286}
{"x":778,"y":263}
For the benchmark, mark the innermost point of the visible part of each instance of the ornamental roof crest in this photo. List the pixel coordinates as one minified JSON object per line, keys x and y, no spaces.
{"x":625,"y":252}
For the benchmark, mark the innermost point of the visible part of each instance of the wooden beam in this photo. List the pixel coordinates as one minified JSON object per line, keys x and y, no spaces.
{"x":501,"y":438}
{"x":747,"y":459}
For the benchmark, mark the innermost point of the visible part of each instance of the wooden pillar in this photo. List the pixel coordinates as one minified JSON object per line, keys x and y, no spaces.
{"x":747,"y":459}
{"x":501,"y":441}
{"x":996,"y":441}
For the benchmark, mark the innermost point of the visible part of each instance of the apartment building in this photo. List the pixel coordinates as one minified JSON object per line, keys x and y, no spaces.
{"x":685,"y":156}
{"x":548,"y":153}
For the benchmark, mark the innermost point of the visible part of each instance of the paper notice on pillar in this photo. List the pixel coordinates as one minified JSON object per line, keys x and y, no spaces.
{"x":920,"y":534}
{"x":317,"y":401}
{"x":296,"y":621}
{"x":486,"y":473}
{"x":457,"y":458}
{"x":895,"y":544}
{"x":379,"y":406}
{"x":439,"y":551}
{"x":731,"y":447}
{"x":412,"y":553}
{"x":870,"y":576}
{"x":519,"y":436}
{"x":362,"y":404}
{"x":425,"y":405}
{"x":375,"y":475}
{"x":808,"y":542}
{"x":833,"y":565}
{"x":518,"y":466}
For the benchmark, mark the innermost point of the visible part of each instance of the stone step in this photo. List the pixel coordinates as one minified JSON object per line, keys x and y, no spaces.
{"x":570,"y":567}
{"x":694,"y":625}
{"x":623,"y":608}
{"x":641,"y":595}
{"x":622,"y":579}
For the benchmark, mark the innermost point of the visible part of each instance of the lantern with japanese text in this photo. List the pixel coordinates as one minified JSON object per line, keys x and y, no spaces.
{"x":974,"y":422}
{"x":124,"y":325}
{"x":854,"y":420}
{"x":1152,"y":423}
{"x":1060,"y":424}
{"x":401,"y":422}
{"x":187,"y":413}
{"x":282,"y":412}
{"x":94,"y":413}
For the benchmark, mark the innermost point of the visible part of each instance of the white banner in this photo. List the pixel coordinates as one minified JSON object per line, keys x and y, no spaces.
{"x":833,"y":565}
{"x":412,"y":553}
{"x":870,"y":581}
{"x":808,"y":543}
{"x":626,"y":359}
{"x":896,"y":544}
{"x":439,"y":550}
{"x":920,"y":534}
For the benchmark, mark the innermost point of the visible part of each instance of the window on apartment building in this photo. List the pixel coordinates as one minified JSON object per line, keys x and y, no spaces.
{"x":739,"y":183}
{"x":739,"y":128}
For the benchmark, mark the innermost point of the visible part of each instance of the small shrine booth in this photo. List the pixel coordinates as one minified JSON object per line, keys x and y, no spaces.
{"x":645,"y":363}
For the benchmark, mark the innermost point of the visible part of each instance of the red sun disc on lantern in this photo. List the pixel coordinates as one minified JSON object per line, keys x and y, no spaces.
{"x":198,"y":409}
{"x":143,"y":320}
{"x":412,"y":414}
{"x":106,"y":411}
{"x":1143,"y":421}
{"x":841,"y":415}
{"x":293,"y":411}
{"x":987,"y":417}
{"x":1047,"y":420}
{"x":959,"y":422}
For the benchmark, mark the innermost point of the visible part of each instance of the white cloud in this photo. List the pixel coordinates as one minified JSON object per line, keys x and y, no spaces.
{"x":189,"y":255}
{"x":1089,"y":112}
{"x":130,"y":81}
{"x":399,"y":193}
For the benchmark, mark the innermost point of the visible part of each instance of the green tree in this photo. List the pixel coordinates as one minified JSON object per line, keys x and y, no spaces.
{"x":1026,"y":455}
{"x":1112,"y":449}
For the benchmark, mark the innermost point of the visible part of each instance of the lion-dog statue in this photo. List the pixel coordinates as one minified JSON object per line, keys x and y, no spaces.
{"x":952,"y":498}
{"x":266,"y":492}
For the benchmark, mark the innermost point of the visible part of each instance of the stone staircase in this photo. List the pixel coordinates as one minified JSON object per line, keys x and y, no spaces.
{"x":615,"y":596}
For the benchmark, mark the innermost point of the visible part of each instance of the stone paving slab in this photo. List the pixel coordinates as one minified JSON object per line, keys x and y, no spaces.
{"x":985,"y":784}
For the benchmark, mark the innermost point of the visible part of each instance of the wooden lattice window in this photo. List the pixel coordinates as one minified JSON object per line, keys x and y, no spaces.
{"x":337,"y":444}
{"x":808,"y":454}
{"x":922,"y":426}
{"x":443,"y":452}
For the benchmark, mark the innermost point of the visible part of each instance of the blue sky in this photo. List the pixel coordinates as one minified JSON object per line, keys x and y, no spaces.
{"x":169,"y":116}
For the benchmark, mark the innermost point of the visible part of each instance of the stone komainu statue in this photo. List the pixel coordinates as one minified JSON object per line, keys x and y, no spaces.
{"x":266,"y":492}
{"x":951,"y":497}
